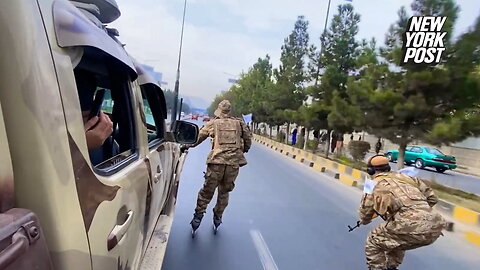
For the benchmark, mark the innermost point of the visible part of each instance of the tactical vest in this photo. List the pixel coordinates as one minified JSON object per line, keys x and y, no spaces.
{"x":406,"y":192}
{"x":228,"y":133}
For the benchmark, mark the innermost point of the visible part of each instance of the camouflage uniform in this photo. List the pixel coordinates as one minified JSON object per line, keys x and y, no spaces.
{"x":230,"y":139}
{"x":406,"y":205}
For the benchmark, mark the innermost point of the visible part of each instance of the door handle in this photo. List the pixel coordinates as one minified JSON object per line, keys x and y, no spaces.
{"x":119,"y":231}
{"x":13,"y":252}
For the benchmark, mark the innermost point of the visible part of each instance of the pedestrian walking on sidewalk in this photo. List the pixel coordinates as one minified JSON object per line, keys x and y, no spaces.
{"x":378,"y":146}
{"x":294,"y":136}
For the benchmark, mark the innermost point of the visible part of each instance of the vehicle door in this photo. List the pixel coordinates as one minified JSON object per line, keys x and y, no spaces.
{"x":159,"y":154}
{"x":22,"y":242}
{"x":415,"y":152}
{"x":408,"y":154}
{"x":112,"y":179}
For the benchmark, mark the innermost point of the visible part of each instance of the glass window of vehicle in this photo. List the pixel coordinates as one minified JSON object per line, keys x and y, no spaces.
{"x":154,"y":117}
{"x":416,"y":149}
{"x":409,"y":148}
{"x":104,"y":89}
{"x":434,"y":151}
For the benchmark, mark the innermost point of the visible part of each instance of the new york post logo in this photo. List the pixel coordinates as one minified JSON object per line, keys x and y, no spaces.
{"x":423,"y":42}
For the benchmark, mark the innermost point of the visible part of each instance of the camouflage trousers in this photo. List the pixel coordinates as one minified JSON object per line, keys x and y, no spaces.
{"x":384,"y":249}
{"x":218,"y":176}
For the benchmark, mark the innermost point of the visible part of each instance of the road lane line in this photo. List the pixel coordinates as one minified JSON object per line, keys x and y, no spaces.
{"x":263,"y":251}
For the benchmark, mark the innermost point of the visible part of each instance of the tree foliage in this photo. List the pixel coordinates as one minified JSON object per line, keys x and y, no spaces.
{"x":426,"y":103}
{"x":351,"y":85}
{"x":337,"y":59}
{"x":287,"y":93}
{"x":169,"y":97}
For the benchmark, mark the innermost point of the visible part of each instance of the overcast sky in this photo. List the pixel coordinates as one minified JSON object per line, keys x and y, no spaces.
{"x":225,"y":37}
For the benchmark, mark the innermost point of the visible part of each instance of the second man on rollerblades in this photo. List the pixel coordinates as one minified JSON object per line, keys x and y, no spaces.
{"x":231,"y":138}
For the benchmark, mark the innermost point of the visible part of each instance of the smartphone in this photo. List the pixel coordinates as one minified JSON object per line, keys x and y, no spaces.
{"x":97,"y":104}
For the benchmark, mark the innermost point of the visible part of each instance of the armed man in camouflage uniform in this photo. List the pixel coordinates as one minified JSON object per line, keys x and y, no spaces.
{"x":231,"y":138}
{"x":405,"y":203}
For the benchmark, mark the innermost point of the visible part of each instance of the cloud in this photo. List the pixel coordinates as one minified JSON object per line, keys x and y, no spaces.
{"x":152,"y":36}
{"x":227,"y":36}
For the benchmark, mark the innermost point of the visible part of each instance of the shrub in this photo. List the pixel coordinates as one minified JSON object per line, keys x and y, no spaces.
{"x":358,"y":149}
{"x":359,"y":165}
{"x":312,"y":145}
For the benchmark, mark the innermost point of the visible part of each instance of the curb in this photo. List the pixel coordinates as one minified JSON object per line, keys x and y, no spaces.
{"x":354,"y":178}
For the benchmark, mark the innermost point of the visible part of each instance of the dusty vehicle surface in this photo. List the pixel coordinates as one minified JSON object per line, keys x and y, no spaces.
{"x":63,"y":204}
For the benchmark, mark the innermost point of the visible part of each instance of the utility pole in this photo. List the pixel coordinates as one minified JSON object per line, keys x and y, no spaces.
{"x":322,"y":45}
{"x":177,"y":81}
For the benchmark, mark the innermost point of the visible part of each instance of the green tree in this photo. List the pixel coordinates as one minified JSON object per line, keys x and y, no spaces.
{"x":169,"y":97}
{"x":287,"y":93}
{"x":186,"y":108}
{"x":462,"y":112}
{"x":251,"y":90}
{"x":339,"y":53}
{"x":436,"y":104}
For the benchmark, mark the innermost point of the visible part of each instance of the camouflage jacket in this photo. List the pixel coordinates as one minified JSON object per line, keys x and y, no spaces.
{"x":404,"y":202}
{"x":230,"y":156}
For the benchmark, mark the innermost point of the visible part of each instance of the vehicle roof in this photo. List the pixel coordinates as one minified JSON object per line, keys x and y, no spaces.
{"x":423,"y":146}
{"x":74,"y":29}
{"x":144,"y":76}
{"x":109,"y":10}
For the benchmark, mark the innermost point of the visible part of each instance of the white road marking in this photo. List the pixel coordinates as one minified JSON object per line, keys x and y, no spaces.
{"x":263,"y":251}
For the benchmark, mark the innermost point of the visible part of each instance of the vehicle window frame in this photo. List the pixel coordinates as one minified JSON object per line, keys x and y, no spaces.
{"x":414,"y":150}
{"x":114,"y":77}
{"x":128,"y":105}
{"x":150,"y":93}
{"x":440,"y":153}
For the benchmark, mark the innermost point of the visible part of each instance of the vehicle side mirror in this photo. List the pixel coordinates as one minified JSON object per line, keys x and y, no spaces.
{"x":185,"y":132}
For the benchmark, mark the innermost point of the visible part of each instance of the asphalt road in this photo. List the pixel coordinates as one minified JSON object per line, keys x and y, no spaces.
{"x":449,"y":178}
{"x":283,"y":215}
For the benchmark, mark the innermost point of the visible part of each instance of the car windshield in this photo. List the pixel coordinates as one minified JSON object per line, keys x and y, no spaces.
{"x":434,"y":151}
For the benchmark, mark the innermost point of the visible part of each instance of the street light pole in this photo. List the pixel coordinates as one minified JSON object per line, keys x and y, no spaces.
{"x":177,"y":81}
{"x":322,"y":45}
